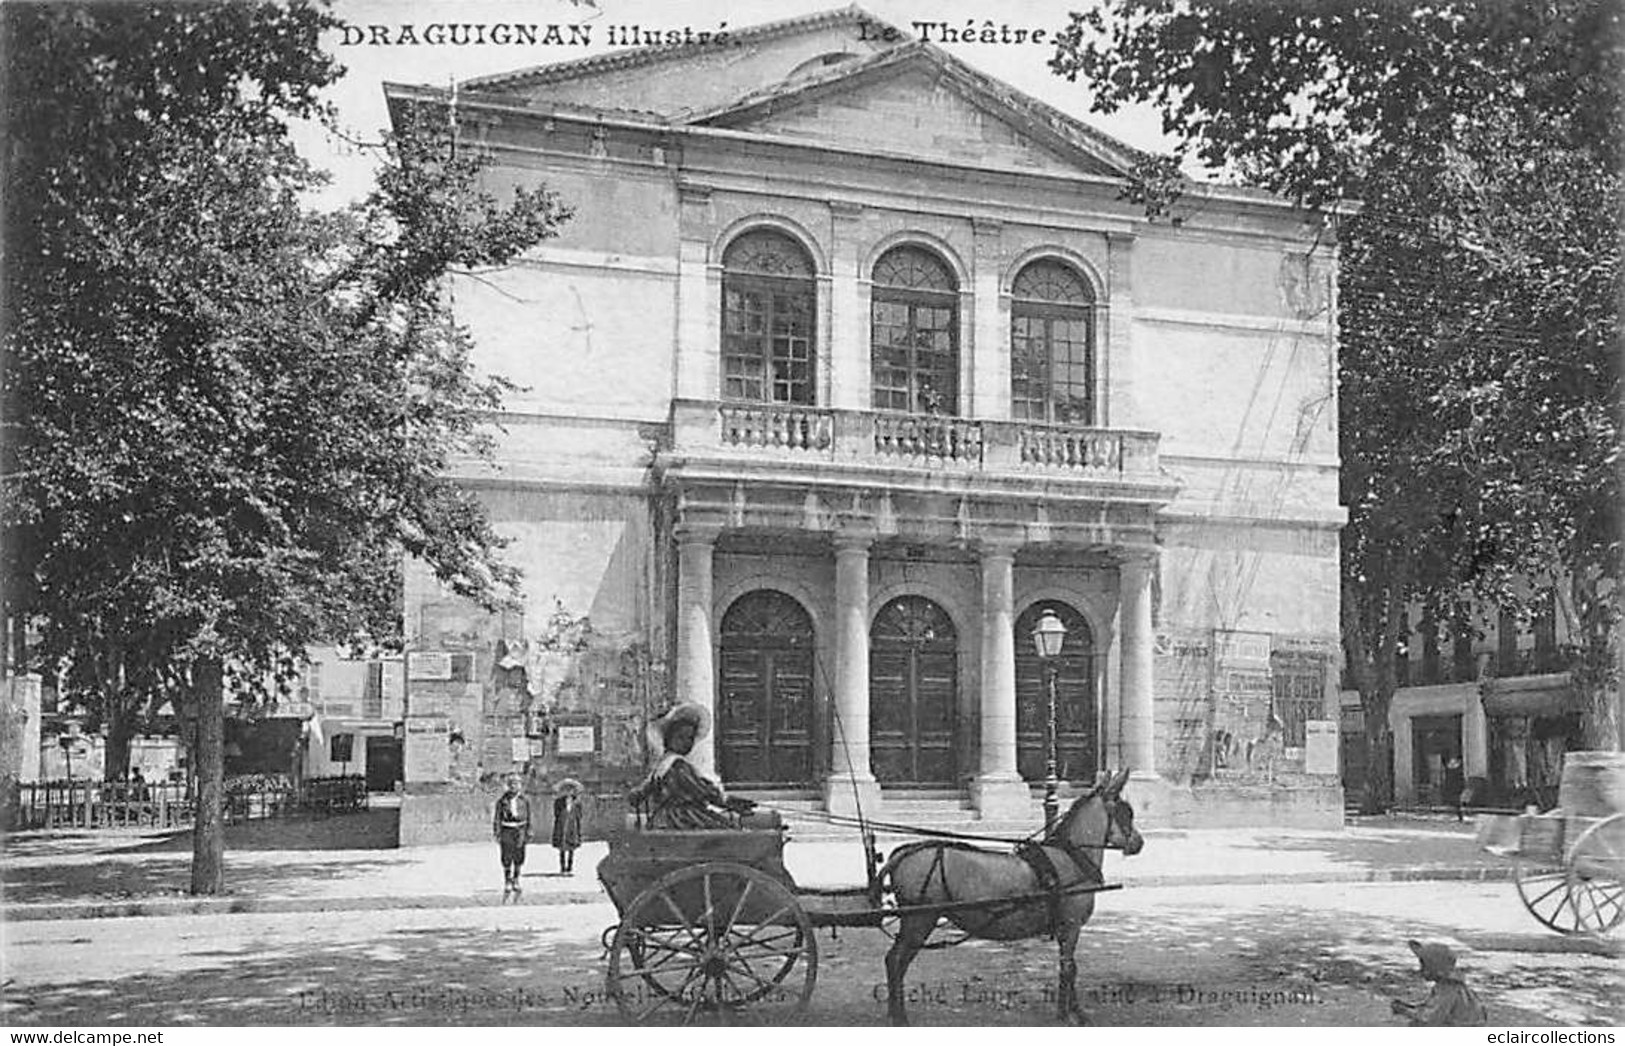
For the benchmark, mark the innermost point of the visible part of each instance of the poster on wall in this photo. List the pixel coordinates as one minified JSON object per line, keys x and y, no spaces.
{"x":428,"y":665}
{"x":576,"y":740}
{"x":426,"y":751}
{"x":1320,"y":746}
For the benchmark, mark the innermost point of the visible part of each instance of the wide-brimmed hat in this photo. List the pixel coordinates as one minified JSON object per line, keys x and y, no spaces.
{"x":568,"y":786}
{"x":1437,"y":959}
{"x":698,"y":715}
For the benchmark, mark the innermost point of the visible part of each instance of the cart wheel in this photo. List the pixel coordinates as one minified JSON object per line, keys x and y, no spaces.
{"x":714,"y":942}
{"x":1595,"y":874}
{"x":1544,"y":889}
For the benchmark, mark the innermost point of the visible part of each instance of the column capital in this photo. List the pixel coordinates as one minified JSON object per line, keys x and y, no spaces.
{"x":693,"y":192}
{"x":1138,"y":557}
{"x":697,"y":533}
{"x":853,"y":538}
{"x":999,"y":546}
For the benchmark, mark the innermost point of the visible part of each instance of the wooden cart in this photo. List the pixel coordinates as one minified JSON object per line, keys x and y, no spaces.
{"x":1570,"y":870}
{"x":712,"y":926}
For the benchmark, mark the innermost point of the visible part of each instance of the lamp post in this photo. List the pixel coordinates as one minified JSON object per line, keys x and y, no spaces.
{"x":1048,"y":637}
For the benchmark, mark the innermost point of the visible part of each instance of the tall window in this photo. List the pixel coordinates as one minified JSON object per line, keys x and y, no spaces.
{"x":767,"y":319}
{"x":1052,"y":342}
{"x":914,"y":333}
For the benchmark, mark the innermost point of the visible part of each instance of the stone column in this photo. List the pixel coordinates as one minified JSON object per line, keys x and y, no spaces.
{"x":1400,"y":722}
{"x":998,"y":790}
{"x":1139,"y":745}
{"x":851,"y":781}
{"x":1475,"y":737}
{"x":696,"y":679}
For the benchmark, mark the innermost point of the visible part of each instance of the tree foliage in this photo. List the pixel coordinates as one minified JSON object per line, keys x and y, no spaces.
{"x":230,"y":417}
{"x":1479,"y":277}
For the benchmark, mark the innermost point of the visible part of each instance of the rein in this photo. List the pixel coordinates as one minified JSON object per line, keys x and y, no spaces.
{"x":895,"y":828}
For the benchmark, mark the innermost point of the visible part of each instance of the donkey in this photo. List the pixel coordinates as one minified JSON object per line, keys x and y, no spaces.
{"x":993,"y":894}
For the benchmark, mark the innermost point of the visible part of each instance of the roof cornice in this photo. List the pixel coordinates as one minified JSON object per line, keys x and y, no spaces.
{"x":654,"y":123}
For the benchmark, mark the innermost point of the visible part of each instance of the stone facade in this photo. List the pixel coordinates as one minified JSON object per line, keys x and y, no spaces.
{"x":851,"y":364}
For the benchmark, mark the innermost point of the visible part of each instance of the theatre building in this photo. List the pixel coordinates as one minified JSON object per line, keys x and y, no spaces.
{"x":851,"y":366}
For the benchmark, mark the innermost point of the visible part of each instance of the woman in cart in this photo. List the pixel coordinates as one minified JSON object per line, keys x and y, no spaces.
{"x":675,"y":794}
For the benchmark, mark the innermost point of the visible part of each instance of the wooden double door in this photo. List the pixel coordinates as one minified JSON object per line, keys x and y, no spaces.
{"x":1077,"y":728}
{"x":913,"y":694}
{"x":765,"y":706}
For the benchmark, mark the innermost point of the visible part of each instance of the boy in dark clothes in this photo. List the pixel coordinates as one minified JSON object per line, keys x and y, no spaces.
{"x":1451,"y":1004}
{"x":510,"y":825}
{"x":567,"y":824}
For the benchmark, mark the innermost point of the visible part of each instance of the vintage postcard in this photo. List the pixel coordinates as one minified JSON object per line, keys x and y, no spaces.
{"x":924,"y":507}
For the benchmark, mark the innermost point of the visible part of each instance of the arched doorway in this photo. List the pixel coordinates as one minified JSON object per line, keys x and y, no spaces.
{"x":913,"y":691}
{"x":764,"y":715}
{"x":1077,"y":733}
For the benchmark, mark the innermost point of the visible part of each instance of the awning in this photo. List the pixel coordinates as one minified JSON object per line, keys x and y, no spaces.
{"x":1544,"y":695}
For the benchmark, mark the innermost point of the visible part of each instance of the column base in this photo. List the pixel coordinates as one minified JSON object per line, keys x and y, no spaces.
{"x":840,"y":800}
{"x":1153,"y":798}
{"x":1001,"y":797}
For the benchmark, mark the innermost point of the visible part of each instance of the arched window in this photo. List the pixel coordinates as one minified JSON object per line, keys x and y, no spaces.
{"x":914,"y":333}
{"x":768,"y":300}
{"x":1052,"y":345}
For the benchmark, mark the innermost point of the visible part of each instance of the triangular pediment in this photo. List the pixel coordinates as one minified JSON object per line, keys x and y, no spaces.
{"x":663,"y":79}
{"x":919,"y":102}
{"x":841,"y":78}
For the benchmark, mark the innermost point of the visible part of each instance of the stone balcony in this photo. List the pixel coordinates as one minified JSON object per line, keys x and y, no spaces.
{"x":719,"y":451}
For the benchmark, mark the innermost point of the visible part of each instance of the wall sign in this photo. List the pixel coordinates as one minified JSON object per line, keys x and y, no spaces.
{"x":577,"y":740}
{"x":1320,"y":746}
{"x":426,"y":750}
{"x":428,"y":665}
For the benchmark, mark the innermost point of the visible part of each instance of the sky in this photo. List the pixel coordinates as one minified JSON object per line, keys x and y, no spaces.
{"x":360,"y":101}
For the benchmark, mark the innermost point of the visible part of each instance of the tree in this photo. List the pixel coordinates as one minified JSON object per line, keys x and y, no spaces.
{"x":1480,"y":379}
{"x":232,"y":418}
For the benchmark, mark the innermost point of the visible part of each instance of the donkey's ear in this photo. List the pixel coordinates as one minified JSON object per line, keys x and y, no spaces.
{"x":1118,"y":780}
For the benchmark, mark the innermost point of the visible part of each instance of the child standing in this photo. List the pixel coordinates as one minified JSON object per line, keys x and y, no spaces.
{"x":567,"y":824}
{"x":510,"y":825}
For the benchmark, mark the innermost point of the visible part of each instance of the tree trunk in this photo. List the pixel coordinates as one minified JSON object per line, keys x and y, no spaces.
{"x":121,"y":723}
{"x":1379,"y":759}
{"x":208,"y":826}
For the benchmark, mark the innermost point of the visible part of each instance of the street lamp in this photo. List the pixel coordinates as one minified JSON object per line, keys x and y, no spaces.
{"x":1048,"y":637}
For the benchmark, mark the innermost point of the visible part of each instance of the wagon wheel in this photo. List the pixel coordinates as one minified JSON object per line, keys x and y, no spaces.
{"x":1595,"y":874}
{"x":1544,"y":889}
{"x":720,"y":942}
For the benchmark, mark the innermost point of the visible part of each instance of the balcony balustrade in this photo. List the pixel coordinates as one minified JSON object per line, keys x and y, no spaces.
{"x":786,"y":432}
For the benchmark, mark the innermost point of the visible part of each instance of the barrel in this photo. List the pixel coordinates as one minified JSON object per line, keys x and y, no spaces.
{"x":1593,"y":784}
